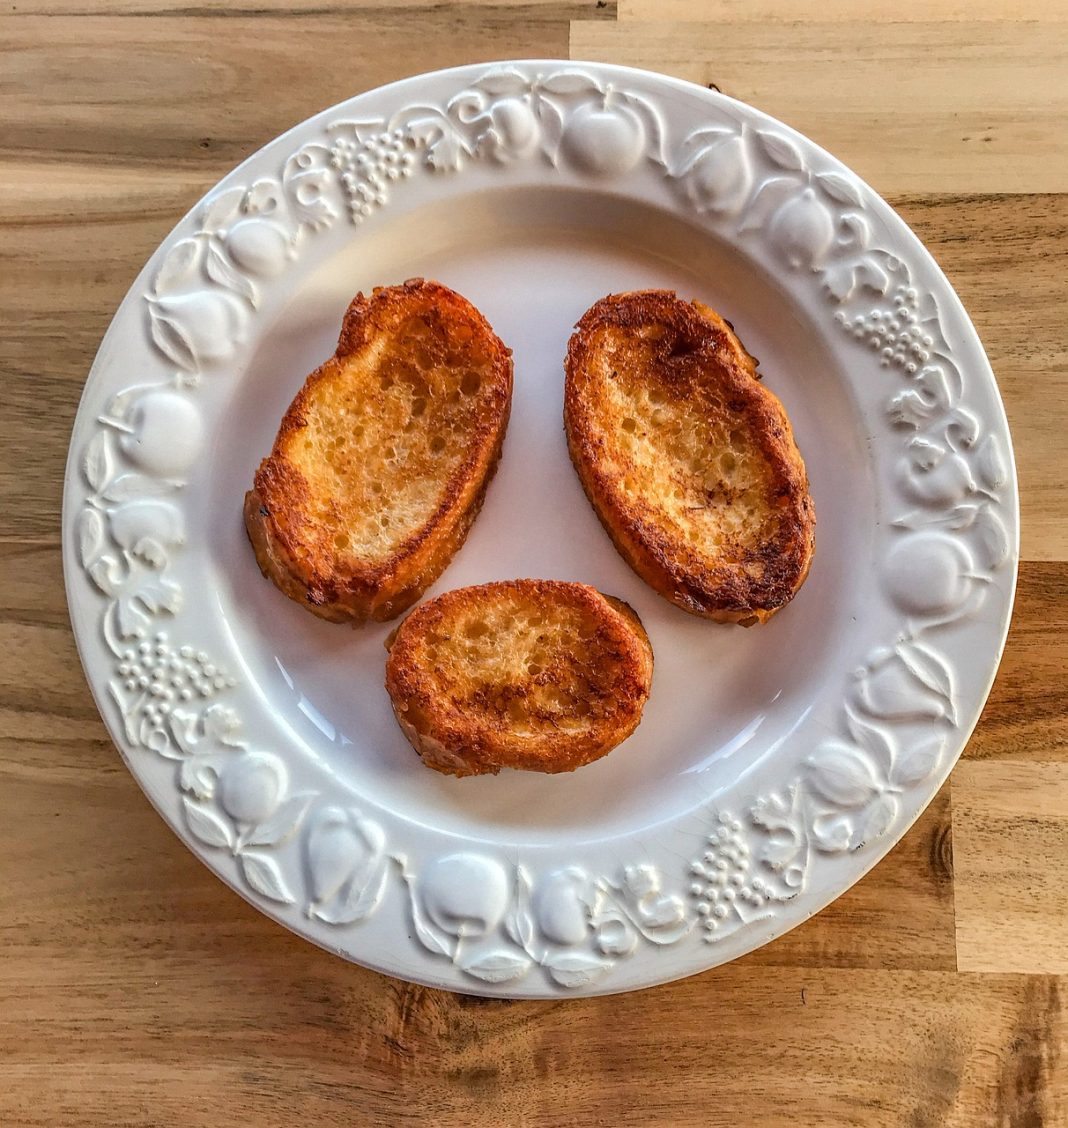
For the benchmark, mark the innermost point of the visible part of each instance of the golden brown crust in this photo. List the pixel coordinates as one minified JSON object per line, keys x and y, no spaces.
{"x":382,"y":460}
{"x":539,"y":675}
{"x":689,"y":461}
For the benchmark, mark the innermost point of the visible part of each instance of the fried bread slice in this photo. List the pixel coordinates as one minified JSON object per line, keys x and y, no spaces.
{"x":382,"y":460}
{"x":540,"y":675}
{"x":688,"y":460}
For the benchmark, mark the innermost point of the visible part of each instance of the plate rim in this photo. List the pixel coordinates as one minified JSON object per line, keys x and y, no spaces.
{"x":640,"y":894}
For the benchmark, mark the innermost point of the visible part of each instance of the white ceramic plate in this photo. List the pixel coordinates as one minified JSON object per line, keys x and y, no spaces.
{"x":774,"y":766}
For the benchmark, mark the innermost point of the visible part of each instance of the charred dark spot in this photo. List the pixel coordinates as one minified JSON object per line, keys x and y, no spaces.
{"x":682,"y":347}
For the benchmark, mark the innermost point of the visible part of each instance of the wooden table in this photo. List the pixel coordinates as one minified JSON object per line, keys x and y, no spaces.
{"x":136,"y":989}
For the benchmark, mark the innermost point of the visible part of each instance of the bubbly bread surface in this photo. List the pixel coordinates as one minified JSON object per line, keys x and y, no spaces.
{"x":688,"y":460}
{"x":382,"y":460}
{"x":539,"y":675}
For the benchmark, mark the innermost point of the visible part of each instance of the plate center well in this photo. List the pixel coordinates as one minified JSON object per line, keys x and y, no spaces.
{"x":723,"y":698}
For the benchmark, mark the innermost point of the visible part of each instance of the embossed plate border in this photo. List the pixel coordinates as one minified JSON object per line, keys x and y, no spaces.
{"x":433,"y":907}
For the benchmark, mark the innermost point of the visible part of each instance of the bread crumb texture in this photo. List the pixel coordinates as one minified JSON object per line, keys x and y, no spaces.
{"x":688,"y":459}
{"x":382,"y":459}
{"x":535,"y":674}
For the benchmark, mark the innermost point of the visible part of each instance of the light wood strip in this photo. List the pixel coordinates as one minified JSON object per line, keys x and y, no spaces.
{"x":1011,"y":864}
{"x":955,"y":107}
{"x":172,"y":91}
{"x":828,"y":11}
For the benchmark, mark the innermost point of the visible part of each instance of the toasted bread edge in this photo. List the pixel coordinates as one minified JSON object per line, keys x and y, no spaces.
{"x":640,"y":542}
{"x":447,"y":741}
{"x":389,"y":587}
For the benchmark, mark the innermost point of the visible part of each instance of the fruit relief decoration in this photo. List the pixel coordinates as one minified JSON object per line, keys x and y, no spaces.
{"x":497,"y":920}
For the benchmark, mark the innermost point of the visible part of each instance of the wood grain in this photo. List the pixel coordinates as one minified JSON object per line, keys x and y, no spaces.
{"x":1011,"y":821}
{"x":846,"y":11}
{"x":220,"y":75}
{"x":1026,"y":715}
{"x":136,"y":989}
{"x":923,"y":1048}
{"x":985,"y":112}
{"x":512,"y":18}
